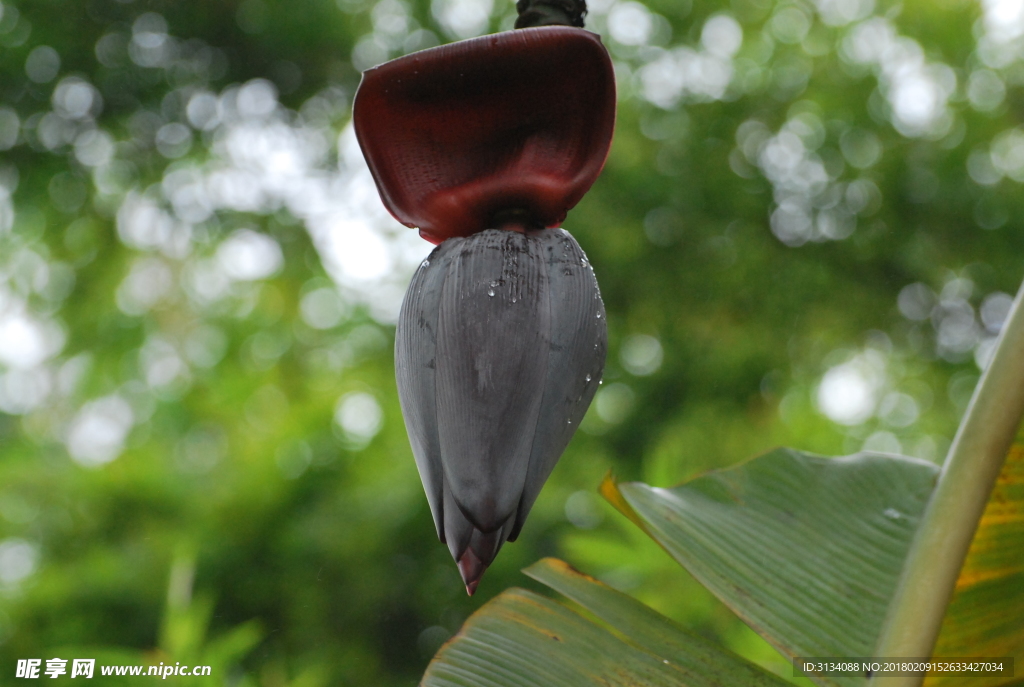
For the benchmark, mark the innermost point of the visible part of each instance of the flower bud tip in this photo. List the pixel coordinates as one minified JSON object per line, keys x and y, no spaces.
{"x":472,"y":569}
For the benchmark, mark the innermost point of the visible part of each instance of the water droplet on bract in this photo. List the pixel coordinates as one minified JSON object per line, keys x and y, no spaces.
{"x":568,"y":422}
{"x":588,"y":378}
{"x":513,"y":299}
{"x":600,"y":382}
{"x":583,"y":261}
{"x":424,"y":264}
{"x":490,"y":292}
{"x":598,"y":315}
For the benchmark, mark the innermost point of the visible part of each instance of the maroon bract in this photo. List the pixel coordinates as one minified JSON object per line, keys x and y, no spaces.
{"x":516,"y":124}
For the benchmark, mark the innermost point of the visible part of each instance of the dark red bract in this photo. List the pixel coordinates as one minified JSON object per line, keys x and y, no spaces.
{"x":518,"y":122}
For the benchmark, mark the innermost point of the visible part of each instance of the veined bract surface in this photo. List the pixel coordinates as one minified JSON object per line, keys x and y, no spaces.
{"x":499,"y":350}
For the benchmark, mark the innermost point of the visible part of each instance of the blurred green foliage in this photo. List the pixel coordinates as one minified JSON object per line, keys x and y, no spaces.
{"x":805,"y":235}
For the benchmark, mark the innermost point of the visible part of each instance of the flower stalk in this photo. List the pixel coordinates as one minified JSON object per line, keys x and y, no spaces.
{"x":550,"y":13}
